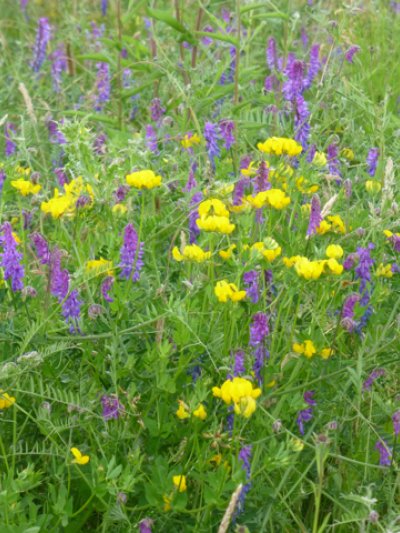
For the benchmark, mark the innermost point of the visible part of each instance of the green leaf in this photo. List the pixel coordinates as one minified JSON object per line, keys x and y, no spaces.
{"x":270,"y":14}
{"x":164,"y":16}
{"x":218,"y":37}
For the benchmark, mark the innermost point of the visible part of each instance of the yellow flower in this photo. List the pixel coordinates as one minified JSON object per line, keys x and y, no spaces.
{"x":290,"y":261}
{"x":319,"y":159}
{"x":6,"y":400}
{"x":326,"y":353}
{"x":143,"y":179}
{"x":279,"y":146}
{"x":334,"y":251}
{"x":216,"y":459}
{"x":225,"y":291}
{"x":250,"y":170}
{"x":215,"y":223}
{"x":119,"y":209}
{"x":241,"y":393}
{"x":384,"y":271}
{"x":180,"y":483}
{"x":388,"y":233}
{"x":334,"y":266}
{"x":200,"y":412}
{"x":373,"y":186}
{"x":268,"y":248}
{"x":79,"y":458}
{"x":337,"y":223}
{"x":301,"y":184}
{"x":25,"y":187}
{"x":307,"y":348}
{"x":182,"y":411}
{"x":348,"y":154}
{"x":190,"y":140}
{"x":323,"y":228}
{"x":213,"y":206}
{"x":58,"y":205}
{"x":100,"y":266}
{"x":309,"y":269}
{"x":167,"y":502}
{"x":227,"y":254}
{"x":275,"y":198}
{"x":22,"y":171}
{"x":192,"y":252}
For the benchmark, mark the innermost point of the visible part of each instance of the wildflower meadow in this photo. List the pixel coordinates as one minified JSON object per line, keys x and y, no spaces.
{"x":199,"y":266}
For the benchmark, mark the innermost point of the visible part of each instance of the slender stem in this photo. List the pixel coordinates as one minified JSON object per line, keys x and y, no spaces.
{"x":119,"y":66}
{"x":197,"y":28}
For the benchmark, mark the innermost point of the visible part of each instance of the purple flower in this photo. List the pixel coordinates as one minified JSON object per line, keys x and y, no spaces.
{"x":61,"y":176}
{"x":304,"y":37}
{"x":372,"y":160}
{"x":99,"y":144}
{"x":193,"y":216}
{"x":120,"y":193}
{"x":238,"y":191}
{"x":42,"y":248}
{"x":396,"y":423}
{"x":2,"y":179}
{"x":151,"y":139}
{"x":11,"y":259}
{"x":11,"y":147}
{"x":207,"y":40}
{"x":313,"y":67}
{"x":156,"y":110}
{"x":348,"y":312}
{"x":58,"y":66}
{"x":145,"y":525}
{"x":244,"y":458}
{"x":271,"y":83}
{"x":105,"y":288}
{"x":227,"y":127}
{"x":311,"y":153}
{"x":293,"y":86}
{"x":261,"y":181}
{"x":351,"y":52}
{"x":305,"y":415}
{"x":261,"y":354}
{"x":104,"y":5}
{"x":315,"y":216}
{"x":55,"y":135}
{"x":385,"y":453}
{"x":250,"y":278}
{"x":375,"y":374}
{"x":131,"y":258}
{"x":348,"y":186}
{"x":309,"y":397}
{"x":71,"y":310}
{"x":272,"y":59}
{"x":211,"y":135}
{"x":43,"y":37}
{"x":191,"y":182}
{"x":103,"y":85}
{"x":333,"y":163}
{"x":365,"y":263}
{"x":259,"y":329}
{"x":112,"y":407}
{"x":301,"y":125}
{"x":239,"y":368}
{"x":59,"y":278}
{"x":349,"y":262}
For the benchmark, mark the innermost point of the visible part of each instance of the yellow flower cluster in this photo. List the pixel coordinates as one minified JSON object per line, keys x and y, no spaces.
{"x":268,"y":248}
{"x":227,"y":254}
{"x":62,"y":204}
{"x":275,"y":198}
{"x":384,"y":271}
{"x":6,"y":400}
{"x":279,"y":146}
{"x":189,"y":141}
{"x":183,"y":411}
{"x":25,"y":187}
{"x":214,"y":216}
{"x":313,"y":269}
{"x":241,"y":393}
{"x":308,"y":349}
{"x":191,"y":252}
{"x":319,"y":159}
{"x":99,"y":266}
{"x":180,"y":485}
{"x":302,"y":186}
{"x":373,"y":186}
{"x":143,"y":179}
{"x":225,"y":291}
{"x":332,"y":223}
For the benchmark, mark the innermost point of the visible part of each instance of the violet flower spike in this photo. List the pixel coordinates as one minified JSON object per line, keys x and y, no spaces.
{"x":271,"y":54}
{"x":43,"y":37}
{"x":103,"y":85}
{"x":193,"y":216}
{"x":151,"y":139}
{"x":349,"y":55}
{"x":71,"y":310}
{"x":59,"y":278}
{"x":211,"y":135}
{"x":131,"y":255}
{"x":375,"y":374}
{"x":239,"y":368}
{"x":396,"y":423}
{"x":106,"y":287}
{"x":145,"y":525}
{"x":385,"y":453}
{"x":261,"y":354}
{"x":11,"y":147}
{"x":10,"y":259}
{"x":244,"y":458}
{"x":333,"y":163}
{"x":227,"y":127}
{"x":58,"y":66}
{"x":259,"y":328}
{"x":42,"y":247}
{"x":315,"y":216}
{"x":104,"y":5}
{"x":112,"y":407}
{"x":250,"y":278}
{"x":372,"y":160}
